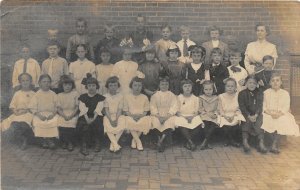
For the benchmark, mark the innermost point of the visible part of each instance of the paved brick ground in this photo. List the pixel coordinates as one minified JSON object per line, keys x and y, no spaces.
{"x":176,"y":168}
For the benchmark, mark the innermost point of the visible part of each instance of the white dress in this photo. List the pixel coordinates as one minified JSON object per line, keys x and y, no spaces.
{"x":68,"y":102}
{"x":237,"y":76}
{"x":20,"y":100}
{"x":188,"y":106}
{"x":279,"y":101}
{"x":44,"y":102}
{"x":137,"y":105}
{"x":103,"y":72}
{"x":113,"y":103}
{"x":229,"y":106}
{"x":162,"y":104}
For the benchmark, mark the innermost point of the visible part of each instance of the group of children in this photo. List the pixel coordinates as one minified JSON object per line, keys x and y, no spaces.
{"x":191,"y":89}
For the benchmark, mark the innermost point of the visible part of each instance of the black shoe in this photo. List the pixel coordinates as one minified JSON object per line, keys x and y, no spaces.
{"x":70,"y":147}
{"x":205,"y":145}
{"x":275,"y":150}
{"x":160,"y":147}
{"x":45,"y":144}
{"x":261,"y":148}
{"x":51,"y":144}
{"x":97,"y":148}
{"x":246,"y":146}
{"x":235,"y":144}
{"x":83,"y":150}
{"x":188,"y":146}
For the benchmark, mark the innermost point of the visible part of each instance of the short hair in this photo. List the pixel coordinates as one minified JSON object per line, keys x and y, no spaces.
{"x":53,"y":43}
{"x":216,"y":50}
{"x":81,"y":20}
{"x":175,"y":49}
{"x":268,"y":57}
{"x":82,"y":45}
{"x":184,"y":28}
{"x":230,"y":79}
{"x":164,"y":79}
{"x":197,"y":49}
{"x":112,"y":79}
{"x":166,"y":25}
{"x":252,"y":76}
{"x":65,"y":79}
{"x":209,"y":82}
{"x":185,"y":81}
{"x":90,"y":80}
{"x":235,"y":54}
{"x":44,"y":76}
{"x":24,"y":74}
{"x":136,"y":79}
{"x":266,"y":27}
{"x":214,"y":28}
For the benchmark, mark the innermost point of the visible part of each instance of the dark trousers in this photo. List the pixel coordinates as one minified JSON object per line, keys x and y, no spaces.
{"x":167,"y":133}
{"x":21,"y":130}
{"x":92,"y":132}
{"x":66,"y":134}
{"x":209,"y":128}
{"x":253,"y":128}
{"x":188,"y":134}
{"x":231,"y":132}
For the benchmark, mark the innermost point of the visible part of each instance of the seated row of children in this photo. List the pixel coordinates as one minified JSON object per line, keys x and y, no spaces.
{"x":52,"y":115}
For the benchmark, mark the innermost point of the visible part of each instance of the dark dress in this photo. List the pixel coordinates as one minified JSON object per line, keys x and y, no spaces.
{"x":193,"y":75}
{"x":174,"y":69}
{"x":217,"y":75}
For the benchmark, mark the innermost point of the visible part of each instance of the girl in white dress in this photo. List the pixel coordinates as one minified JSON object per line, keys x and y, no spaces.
{"x":114,"y":121}
{"x":230,"y":115}
{"x":67,"y":107}
{"x":43,"y":106}
{"x":136,"y":106}
{"x":21,"y":117}
{"x":277,"y":118}
{"x":188,"y":119}
{"x":163,"y":107}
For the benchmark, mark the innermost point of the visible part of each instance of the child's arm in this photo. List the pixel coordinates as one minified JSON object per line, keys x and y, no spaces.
{"x":242,"y":104}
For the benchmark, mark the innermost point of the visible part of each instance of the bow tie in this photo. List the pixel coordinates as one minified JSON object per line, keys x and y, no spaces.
{"x":235,"y":69}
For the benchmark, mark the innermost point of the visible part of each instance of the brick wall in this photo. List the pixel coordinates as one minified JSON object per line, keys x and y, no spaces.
{"x":28,"y":20}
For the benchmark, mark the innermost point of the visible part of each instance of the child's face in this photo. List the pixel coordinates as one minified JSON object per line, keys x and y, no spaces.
{"x":67,"y":87}
{"x":25,"y":82}
{"x":173,"y":55}
{"x":268,"y":65}
{"x":109,"y":33}
{"x":164,"y":86}
{"x":81,"y":52}
{"x":136,"y":87}
{"x":53,"y":51}
{"x":25,"y":53}
{"x":208,"y":90}
{"x":113,"y":87}
{"x":166,"y":33}
{"x":185,"y":34}
{"x":235,"y":60}
{"x":45,"y":84}
{"x":105,"y":57}
{"x":140,"y":23}
{"x":150,"y":56}
{"x":230,"y":87}
{"x":187,"y":89}
{"x":214,"y":34}
{"x":197,"y":57}
{"x":261,"y":32}
{"x":127,"y":56}
{"x":251,"y":84}
{"x":92,"y":88}
{"x":216,"y":58}
{"x":276,"y":83}
{"x":80,"y":27}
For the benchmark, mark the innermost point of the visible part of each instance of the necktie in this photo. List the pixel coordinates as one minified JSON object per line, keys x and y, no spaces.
{"x":185,"y":49}
{"x":25,"y":66}
{"x":50,"y":71}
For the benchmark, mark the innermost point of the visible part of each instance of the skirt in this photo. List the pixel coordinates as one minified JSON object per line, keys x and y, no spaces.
{"x":284,"y":125}
{"x":27,"y":118}
{"x":168,"y":124}
{"x":182,"y":122}
{"x":236,"y":120}
{"x":47,"y":128}
{"x":114,"y":130}
{"x":142,"y":125}
{"x":61,"y":122}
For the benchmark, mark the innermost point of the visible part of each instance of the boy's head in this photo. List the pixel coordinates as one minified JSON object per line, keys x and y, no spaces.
{"x":53,"y":48}
{"x":166,"y":31}
{"x":214,"y":32}
{"x":52,"y":34}
{"x":235,"y":58}
{"x":81,"y":26}
{"x":81,"y":50}
{"x":109,"y":31}
{"x":268,"y":62}
{"x":173,"y":51}
{"x":184,"y":32}
{"x":105,"y":55}
{"x":25,"y":51}
{"x":140,"y":21}
{"x":216,"y":55}
{"x":251,"y":82}
{"x":66,"y":83}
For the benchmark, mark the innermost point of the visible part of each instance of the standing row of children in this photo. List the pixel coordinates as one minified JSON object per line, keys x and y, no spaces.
{"x":198,"y":92}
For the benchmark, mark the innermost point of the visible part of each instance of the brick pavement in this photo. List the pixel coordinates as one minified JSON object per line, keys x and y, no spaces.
{"x":176,"y":168}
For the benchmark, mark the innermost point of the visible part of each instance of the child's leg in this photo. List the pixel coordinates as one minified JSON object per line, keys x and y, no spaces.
{"x":136,"y":138}
{"x":208,"y":130}
{"x":62,"y":137}
{"x":83,"y":130}
{"x":113,"y":141}
{"x":245,"y":135}
{"x":98,"y":130}
{"x":187,"y":134}
{"x":229,"y":133}
{"x":260,"y":134}
{"x":274,"y":148}
{"x":24,"y":133}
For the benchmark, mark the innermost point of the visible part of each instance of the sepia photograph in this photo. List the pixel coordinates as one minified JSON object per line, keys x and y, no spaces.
{"x":150,"y":94}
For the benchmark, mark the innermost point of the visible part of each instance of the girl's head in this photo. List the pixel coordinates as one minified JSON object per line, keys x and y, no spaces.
{"x":150,"y":53}
{"x":25,"y":81}
{"x":268,"y":62}
{"x":197,"y":53}
{"x":251,"y":82}
{"x":81,"y":51}
{"x":136,"y":84}
{"x":230,"y":85}
{"x":186,"y":86}
{"x":112,"y":84}
{"x":66,"y":83}
{"x":262,"y":31}
{"x":81,"y":26}
{"x":276,"y":81}
{"x":166,"y":31}
{"x":235,"y":58}
{"x":173,"y":52}
{"x":214,"y":32}
{"x":105,"y":55}
{"x":209,"y":88}
{"x":45,"y":82}
{"x":127,"y":53}
{"x":216,"y":55}
{"x":91,"y":84}
{"x":25,"y":51}
{"x":164,"y":83}
{"x":109,"y":31}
